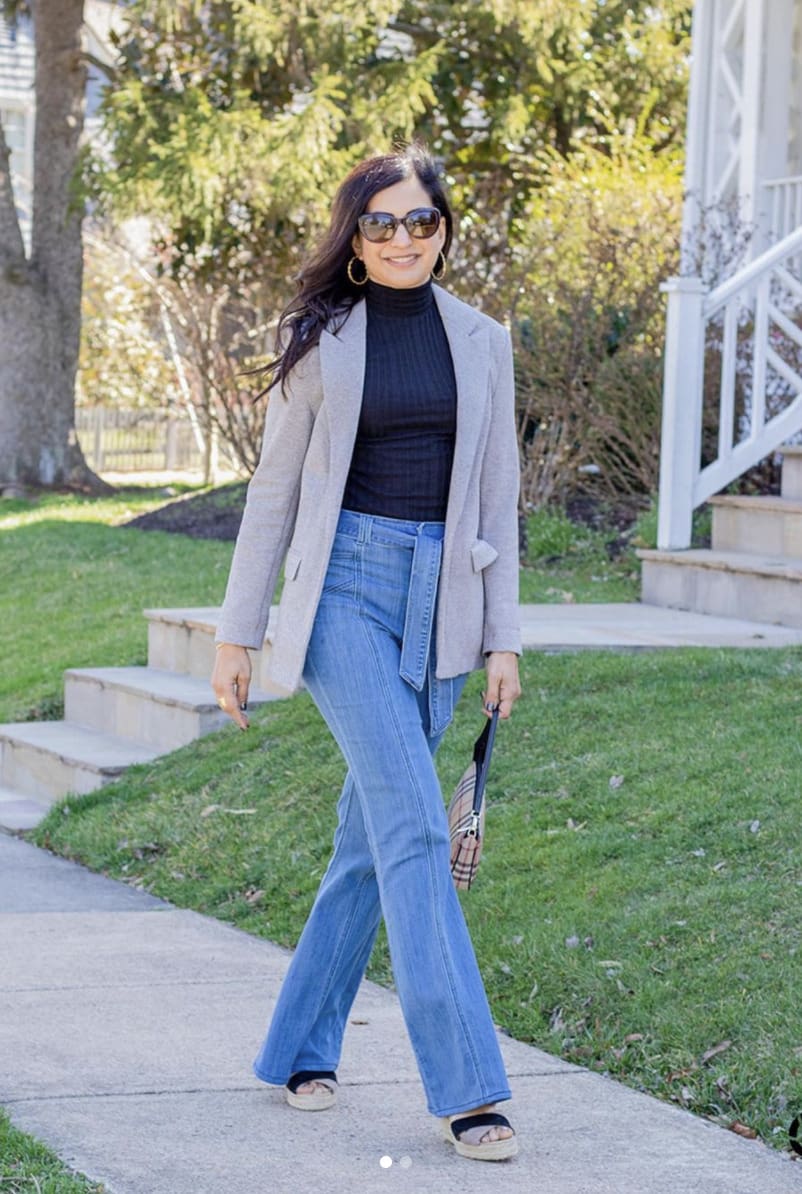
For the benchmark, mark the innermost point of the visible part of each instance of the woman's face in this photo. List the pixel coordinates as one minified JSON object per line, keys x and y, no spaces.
{"x":405,"y":260}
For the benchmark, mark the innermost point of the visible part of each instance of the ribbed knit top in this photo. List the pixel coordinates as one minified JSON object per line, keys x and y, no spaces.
{"x":401,"y":465}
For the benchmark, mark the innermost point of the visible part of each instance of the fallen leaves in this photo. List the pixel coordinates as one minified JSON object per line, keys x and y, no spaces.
{"x":566,"y":597}
{"x":709,"y":1054}
{"x":556,"y":1021}
{"x":234,"y":812}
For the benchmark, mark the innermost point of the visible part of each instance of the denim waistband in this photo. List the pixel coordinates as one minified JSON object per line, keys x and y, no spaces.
{"x":375,"y":528}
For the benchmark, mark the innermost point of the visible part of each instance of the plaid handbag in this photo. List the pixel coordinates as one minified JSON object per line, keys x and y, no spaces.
{"x":466,"y":812}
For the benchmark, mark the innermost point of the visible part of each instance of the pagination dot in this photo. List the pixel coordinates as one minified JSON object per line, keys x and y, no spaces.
{"x":385,"y":1162}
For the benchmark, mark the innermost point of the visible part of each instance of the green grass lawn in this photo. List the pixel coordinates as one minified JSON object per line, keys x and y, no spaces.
{"x":74,"y":585}
{"x":567,"y":563}
{"x":637,"y":908}
{"x":27,"y":1167}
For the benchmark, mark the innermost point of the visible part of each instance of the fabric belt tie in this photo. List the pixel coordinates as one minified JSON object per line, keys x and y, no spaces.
{"x":417,"y":657}
{"x":417,"y":665}
{"x":419,"y":620}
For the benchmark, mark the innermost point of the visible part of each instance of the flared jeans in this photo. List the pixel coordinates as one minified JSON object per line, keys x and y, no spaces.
{"x":370,"y":670}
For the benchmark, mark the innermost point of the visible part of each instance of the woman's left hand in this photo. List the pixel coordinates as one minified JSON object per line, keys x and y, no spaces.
{"x":503,"y":686}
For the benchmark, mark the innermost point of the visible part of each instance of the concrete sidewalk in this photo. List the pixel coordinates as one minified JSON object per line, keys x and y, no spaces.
{"x":127,"y":1029}
{"x":633,"y":626}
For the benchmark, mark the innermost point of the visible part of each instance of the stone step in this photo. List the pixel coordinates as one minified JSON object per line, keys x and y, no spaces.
{"x":731,"y":584}
{"x":182,"y":640}
{"x":791,"y":483}
{"x":46,"y":759}
{"x":764,"y":526}
{"x":159,"y":708}
{"x":18,"y":811}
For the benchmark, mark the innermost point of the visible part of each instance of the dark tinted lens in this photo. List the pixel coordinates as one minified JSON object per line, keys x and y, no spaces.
{"x":423,"y":222}
{"x":377,"y":225}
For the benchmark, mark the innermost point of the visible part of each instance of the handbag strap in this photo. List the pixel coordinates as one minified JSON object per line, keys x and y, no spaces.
{"x":482,"y":751}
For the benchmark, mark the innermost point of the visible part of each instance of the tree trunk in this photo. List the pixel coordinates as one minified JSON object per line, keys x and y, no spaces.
{"x":40,"y":294}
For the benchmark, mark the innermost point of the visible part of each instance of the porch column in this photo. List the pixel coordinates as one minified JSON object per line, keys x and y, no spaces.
{"x":777,"y":112}
{"x":696,"y":139}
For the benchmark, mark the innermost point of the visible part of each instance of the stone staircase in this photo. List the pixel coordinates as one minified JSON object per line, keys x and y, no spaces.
{"x":752,"y":570}
{"x":115,"y":717}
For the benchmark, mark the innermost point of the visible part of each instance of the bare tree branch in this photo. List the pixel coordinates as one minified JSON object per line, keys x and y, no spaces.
{"x":106,"y":68}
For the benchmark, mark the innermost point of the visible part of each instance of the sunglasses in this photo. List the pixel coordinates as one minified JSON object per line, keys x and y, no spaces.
{"x":420,"y":223}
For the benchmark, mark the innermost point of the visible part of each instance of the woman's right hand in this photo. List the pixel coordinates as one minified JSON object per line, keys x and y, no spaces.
{"x":231,"y":680}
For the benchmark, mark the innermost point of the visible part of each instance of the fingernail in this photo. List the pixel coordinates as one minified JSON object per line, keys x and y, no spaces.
{"x":244,"y":706}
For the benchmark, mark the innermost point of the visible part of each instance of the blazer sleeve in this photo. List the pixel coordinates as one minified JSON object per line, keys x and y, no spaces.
{"x":498,"y":495}
{"x":270,"y":508}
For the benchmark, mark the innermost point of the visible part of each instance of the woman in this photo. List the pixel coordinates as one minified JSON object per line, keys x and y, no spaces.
{"x":388,"y":485}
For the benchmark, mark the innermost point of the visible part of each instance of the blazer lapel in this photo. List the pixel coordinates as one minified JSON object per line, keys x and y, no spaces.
{"x":342,"y":367}
{"x":468,"y":340}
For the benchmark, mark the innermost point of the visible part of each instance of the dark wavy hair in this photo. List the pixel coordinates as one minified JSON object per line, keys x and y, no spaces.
{"x":325,"y":292}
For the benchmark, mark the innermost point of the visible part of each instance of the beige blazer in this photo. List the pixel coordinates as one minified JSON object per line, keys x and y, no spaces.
{"x":295,"y":496}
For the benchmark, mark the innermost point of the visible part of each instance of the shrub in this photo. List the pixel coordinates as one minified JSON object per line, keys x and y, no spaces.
{"x":588,"y":322}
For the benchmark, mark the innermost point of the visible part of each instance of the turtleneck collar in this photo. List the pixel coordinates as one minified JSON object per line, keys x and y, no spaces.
{"x":399,"y":301}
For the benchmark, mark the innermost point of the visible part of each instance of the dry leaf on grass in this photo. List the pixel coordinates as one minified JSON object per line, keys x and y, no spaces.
{"x":714,"y":1052}
{"x":742,"y":1130}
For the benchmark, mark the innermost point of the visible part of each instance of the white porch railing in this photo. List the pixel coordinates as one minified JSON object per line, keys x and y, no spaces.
{"x":783,"y":206}
{"x":750,"y":328}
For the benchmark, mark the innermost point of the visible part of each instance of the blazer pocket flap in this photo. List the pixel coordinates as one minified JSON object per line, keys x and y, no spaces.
{"x":482,"y":554}
{"x":292,"y":563}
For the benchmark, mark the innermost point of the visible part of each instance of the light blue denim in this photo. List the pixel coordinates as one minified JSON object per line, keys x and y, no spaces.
{"x":391,"y":846}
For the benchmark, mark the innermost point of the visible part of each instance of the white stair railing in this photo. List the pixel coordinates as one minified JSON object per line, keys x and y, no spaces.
{"x":748,"y":318}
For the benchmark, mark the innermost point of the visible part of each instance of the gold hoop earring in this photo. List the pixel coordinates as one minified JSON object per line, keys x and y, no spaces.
{"x":441,"y":267}
{"x":350,"y":271}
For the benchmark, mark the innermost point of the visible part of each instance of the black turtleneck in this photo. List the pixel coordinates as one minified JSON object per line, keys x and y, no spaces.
{"x":401,"y":466}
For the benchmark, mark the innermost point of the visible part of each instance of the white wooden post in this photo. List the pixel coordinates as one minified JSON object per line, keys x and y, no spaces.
{"x":681,"y":438}
{"x":752,"y":129}
{"x":697,"y":164}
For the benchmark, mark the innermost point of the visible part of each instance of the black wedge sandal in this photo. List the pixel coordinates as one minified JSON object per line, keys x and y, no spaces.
{"x":318,"y":1100}
{"x":492,"y":1150}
